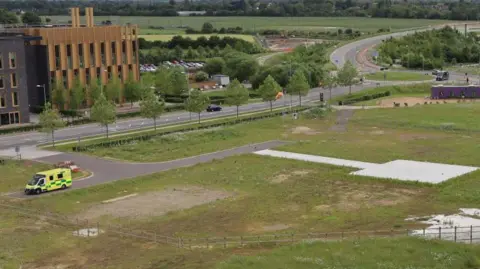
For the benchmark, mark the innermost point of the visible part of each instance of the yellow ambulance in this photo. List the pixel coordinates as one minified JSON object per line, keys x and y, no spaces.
{"x":49,"y":180}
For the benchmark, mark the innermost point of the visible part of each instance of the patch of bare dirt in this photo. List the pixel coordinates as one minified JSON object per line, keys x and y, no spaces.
{"x":156,"y":203}
{"x":279,"y":178}
{"x":355,"y":199}
{"x":304,"y":130}
{"x":410,"y":101}
{"x":377,"y":132}
{"x":275,"y":227}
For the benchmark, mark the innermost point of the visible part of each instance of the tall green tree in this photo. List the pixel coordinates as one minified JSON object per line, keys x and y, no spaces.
{"x":94,"y":90}
{"x":298,"y":84}
{"x":151,"y":107}
{"x":346,"y":75}
{"x":179,"y":82}
{"x":50,"y":121}
{"x":215,"y":66}
{"x":103,"y":112}
{"x":163,"y":84}
{"x":330,"y":81}
{"x":207,"y":28}
{"x":197,"y":102}
{"x":58,"y":94}
{"x":112,"y":90}
{"x":269,"y":90}
{"x":31,"y":18}
{"x":132,"y":90}
{"x":178,"y":52}
{"x":236,"y":94}
{"x":7,"y":17}
{"x":77,"y":95}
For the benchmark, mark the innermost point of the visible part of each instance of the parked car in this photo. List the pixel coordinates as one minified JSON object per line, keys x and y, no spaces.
{"x":212,"y":108}
{"x":434,"y":72}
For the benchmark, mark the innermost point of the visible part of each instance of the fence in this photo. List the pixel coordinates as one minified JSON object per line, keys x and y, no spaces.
{"x":470,"y":234}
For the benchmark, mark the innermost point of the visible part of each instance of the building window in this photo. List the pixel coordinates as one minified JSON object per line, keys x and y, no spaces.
{"x":109,"y":72}
{"x":12,"y":59}
{"x":92,"y":55}
{"x":87,"y":75}
{"x":14,"y":98}
{"x":3,"y":102}
{"x":2,"y":85}
{"x":134,"y":47}
{"x":57,"y":57}
{"x":98,"y":73}
{"x":52,"y":77}
{"x":13,"y":80}
{"x":1,"y":60}
{"x":130,"y":68}
{"x":64,"y":78}
{"x":69,"y":56}
{"x":80,"y":55}
{"x":102,"y":53}
{"x":124,"y":55}
{"x":114,"y":53}
{"x":119,"y":69}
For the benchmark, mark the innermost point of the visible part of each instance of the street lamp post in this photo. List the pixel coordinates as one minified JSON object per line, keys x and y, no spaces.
{"x":44,"y":93}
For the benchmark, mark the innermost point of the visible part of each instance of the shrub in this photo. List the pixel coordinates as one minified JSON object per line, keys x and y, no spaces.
{"x":201,"y":76}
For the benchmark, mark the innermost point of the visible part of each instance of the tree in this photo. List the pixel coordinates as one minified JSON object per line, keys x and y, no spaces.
{"x":197,"y":102}
{"x":31,"y":18}
{"x":163,"y":85}
{"x":58,"y":94}
{"x":77,"y":95}
{"x":112,"y":90}
{"x":201,"y":52}
{"x":330,"y":81}
{"x":50,"y":121}
{"x":241,"y":66}
{"x":47,"y":20}
{"x":236,"y":94}
{"x":132,"y":90}
{"x":179,"y":82}
{"x":7,"y":17}
{"x":151,"y":107}
{"x":103,"y":112}
{"x":298,"y":84}
{"x":346,"y":75}
{"x":201,"y":76}
{"x":94,"y":90}
{"x":178,"y":52}
{"x":191,"y":54}
{"x":207,"y":28}
{"x":269,"y":90}
{"x":215,"y":66}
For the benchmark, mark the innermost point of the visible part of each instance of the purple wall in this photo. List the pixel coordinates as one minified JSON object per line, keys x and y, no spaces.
{"x":455,"y":92}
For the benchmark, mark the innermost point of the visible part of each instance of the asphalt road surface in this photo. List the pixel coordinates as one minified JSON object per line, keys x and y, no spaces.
{"x":106,"y":171}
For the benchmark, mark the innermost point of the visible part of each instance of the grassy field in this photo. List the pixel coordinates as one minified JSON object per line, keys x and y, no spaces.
{"x":164,"y":37}
{"x":269,"y":195}
{"x":364,"y":254}
{"x":398,"y":76}
{"x":256,"y":23}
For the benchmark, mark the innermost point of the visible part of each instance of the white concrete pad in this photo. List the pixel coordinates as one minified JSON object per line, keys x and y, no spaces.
{"x":315,"y":159}
{"x":416,"y":171}
{"x":399,"y":169}
{"x":28,"y":153}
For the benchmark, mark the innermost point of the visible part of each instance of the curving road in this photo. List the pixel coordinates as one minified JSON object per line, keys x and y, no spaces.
{"x":339,"y":57}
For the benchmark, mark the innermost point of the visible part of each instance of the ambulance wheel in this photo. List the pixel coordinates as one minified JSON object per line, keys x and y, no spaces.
{"x":38,"y":191}
{"x":64,"y":186}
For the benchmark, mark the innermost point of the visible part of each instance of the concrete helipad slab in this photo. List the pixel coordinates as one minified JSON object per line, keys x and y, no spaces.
{"x":30,"y":153}
{"x":416,"y":171}
{"x":399,"y":169}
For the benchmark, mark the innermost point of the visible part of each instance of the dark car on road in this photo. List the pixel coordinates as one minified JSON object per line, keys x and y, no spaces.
{"x":212,"y":108}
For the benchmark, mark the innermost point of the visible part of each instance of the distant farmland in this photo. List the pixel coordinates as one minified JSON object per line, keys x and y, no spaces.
{"x":258,"y":23}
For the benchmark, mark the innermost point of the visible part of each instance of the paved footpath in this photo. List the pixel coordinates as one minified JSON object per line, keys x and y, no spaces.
{"x":105,"y":171}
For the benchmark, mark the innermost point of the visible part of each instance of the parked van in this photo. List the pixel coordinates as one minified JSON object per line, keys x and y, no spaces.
{"x":49,"y":180}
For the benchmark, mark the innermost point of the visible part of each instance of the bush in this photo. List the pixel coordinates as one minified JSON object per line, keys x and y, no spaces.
{"x":201,"y":76}
{"x":317,"y":113}
{"x":366,"y":97}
